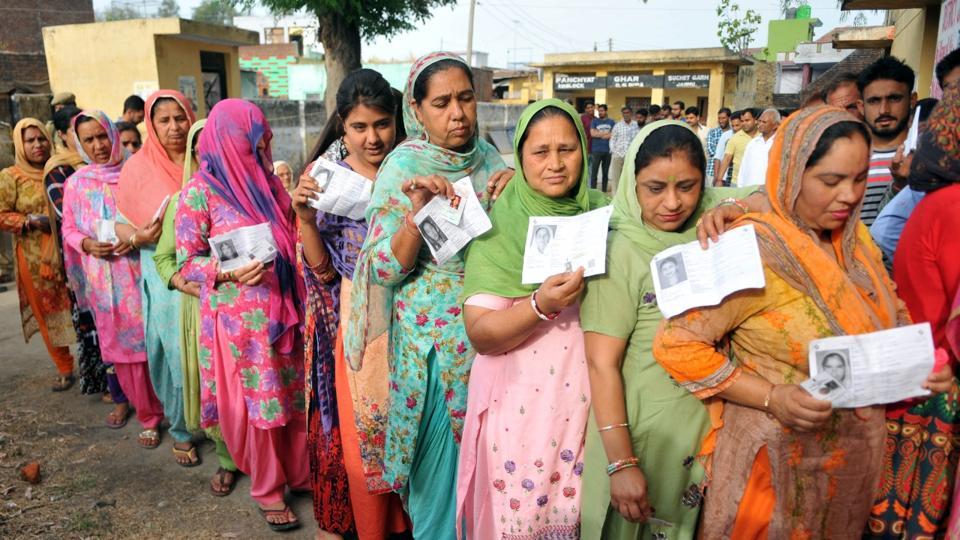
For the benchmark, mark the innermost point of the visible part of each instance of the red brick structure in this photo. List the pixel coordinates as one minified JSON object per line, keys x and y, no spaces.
{"x":23,"y":66}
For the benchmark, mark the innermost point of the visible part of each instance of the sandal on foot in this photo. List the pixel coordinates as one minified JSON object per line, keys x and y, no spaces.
{"x":149,"y":438}
{"x":226,"y":488}
{"x":117,"y":421}
{"x":284,"y":512}
{"x":64,"y":383}
{"x":190,"y":455}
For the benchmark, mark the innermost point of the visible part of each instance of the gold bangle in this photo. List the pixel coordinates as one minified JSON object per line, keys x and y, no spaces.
{"x":613,"y":426}
{"x":766,"y":400}
{"x":132,"y":240}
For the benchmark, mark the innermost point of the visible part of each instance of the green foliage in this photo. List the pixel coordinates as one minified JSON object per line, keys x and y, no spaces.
{"x":215,"y":12}
{"x":168,"y":8}
{"x":735,"y":30}
{"x":118,"y":12}
{"x":373,"y":17}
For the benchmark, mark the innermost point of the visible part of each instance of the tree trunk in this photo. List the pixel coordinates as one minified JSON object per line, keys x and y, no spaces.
{"x":341,"y":53}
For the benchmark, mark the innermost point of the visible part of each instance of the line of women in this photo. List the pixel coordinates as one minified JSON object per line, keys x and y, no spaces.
{"x":414,"y":398}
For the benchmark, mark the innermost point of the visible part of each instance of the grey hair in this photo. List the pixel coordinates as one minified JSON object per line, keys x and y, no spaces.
{"x":776,"y":114}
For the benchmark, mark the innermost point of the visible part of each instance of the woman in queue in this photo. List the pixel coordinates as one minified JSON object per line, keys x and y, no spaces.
{"x":165,"y":257}
{"x":107,"y":273}
{"x":638,"y":456}
{"x":349,"y":494}
{"x":44,"y":301}
{"x":522,"y":449}
{"x":149,"y":178}
{"x":784,"y":462}
{"x":93,"y":373}
{"x":251,"y":321}
{"x":922,"y":453}
{"x":398,"y":283}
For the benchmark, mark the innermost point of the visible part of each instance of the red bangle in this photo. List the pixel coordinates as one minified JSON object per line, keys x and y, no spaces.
{"x":536,"y":309}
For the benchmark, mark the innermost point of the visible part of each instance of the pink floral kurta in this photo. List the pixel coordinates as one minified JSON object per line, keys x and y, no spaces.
{"x":234,"y":318}
{"x":521,"y":456}
{"x":109,"y":287}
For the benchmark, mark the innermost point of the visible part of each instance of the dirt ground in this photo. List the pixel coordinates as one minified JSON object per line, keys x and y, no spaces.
{"x":97,"y":482}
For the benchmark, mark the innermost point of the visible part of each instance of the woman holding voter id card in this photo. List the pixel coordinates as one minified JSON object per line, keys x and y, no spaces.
{"x":521,"y":455}
{"x":784,"y":463}
{"x":251,"y":318}
{"x":640,"y":461}
{"x":148,"y":180}
{"x":103,"y":274}
{"x":346,"y":469}
{"x":400,"y":289}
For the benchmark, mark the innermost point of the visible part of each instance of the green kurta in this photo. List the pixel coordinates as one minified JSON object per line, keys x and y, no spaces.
{"x":667,"y":423}
{"x":165,"y":258}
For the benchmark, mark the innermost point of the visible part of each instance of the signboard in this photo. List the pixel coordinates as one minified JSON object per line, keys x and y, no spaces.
{"x":188,"y":87}
{"x":577,"y":81}
{"x":948,"y":38}
{"x":687,"y":80}
{"x":634,"y":80}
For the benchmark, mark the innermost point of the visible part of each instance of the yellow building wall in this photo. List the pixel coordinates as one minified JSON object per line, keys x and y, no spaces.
{"x":100,"y":63}
{"x":916,"y":42}
{"x":720,"y":92}
{"x":178,"y":57}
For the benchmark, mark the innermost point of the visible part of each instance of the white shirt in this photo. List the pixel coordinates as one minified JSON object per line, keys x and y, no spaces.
{"x":753,"y":171}
{"x":722,"y":145}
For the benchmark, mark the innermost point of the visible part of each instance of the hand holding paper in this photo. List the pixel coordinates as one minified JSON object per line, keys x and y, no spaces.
{"x":435,"y":220}
{"x":342,"y":192}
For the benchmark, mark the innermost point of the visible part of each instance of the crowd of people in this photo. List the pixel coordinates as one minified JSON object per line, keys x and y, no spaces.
{"x":413,"y":398}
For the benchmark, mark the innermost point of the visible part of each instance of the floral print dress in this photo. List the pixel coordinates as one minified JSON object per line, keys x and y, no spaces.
{"x":234,"y":318}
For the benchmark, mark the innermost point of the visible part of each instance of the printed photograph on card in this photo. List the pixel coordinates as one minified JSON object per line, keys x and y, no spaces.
{"x":836,"y":363}
{"x":671,"y":271}
{"x":558,"y":244}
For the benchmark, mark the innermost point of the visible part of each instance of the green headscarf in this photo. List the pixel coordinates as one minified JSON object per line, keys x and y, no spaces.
{"x":494,"y":262}
{"x":189,"y":165}
{"x":626,"y":208}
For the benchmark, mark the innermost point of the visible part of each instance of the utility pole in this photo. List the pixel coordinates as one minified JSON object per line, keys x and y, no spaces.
{"x":610,"y":44}
{"x":473,"y":5}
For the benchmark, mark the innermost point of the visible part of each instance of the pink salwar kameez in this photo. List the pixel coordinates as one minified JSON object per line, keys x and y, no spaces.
{"x":110,"y":287}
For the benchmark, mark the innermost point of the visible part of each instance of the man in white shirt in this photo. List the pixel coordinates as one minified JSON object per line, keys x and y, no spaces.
{"x":692,"y":116}
{"x":620,"y":138}
{"x":722,"y":149}
{"x":753,"y":172}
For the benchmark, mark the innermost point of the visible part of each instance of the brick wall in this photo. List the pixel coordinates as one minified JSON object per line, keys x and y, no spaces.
{"x":22,"y":62}
{"x":270,"y":62}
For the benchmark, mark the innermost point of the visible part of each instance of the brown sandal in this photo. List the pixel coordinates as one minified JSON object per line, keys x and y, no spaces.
{"x":190,"y":454}
{"x":220,"y":476}
{"x":284,"y":512}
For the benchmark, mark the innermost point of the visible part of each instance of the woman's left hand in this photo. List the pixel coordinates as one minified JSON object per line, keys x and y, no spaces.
{"x":939,"y":381}
{"x":497,"y":182}
{"x":150,"y":234}
{"x":714,"y":222}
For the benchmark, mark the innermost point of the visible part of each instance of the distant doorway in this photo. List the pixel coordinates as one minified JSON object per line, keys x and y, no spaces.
{"x":213,"y":66}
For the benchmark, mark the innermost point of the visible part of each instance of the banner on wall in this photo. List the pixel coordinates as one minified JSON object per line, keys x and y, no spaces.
{"x":948,"y":39}
{"x":634,"y":80}
{"x":188,"y":87}
{"x":687,"y":80}
{"x":578,"y":81}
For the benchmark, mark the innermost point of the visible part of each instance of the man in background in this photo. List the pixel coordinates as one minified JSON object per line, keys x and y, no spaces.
{"x":676,"y":110}
{"x":753,"y":172}
{"x":132,"y":110}
{"x":641,"y":117}
{"x":888,"y":99}
{"x":586,"y":118}
{"x":623,"y":134}
{"x":721,"y":149}
{"x":844,"y":93}
{"x":692,"y":118}
{"x":733,"y":153}
{"x":654,"y":115}
{"x":600,"y":132}
{"x":713,"y":140}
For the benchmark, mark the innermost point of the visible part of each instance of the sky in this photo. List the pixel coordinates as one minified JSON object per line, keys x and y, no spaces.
{"x":521,"y":31}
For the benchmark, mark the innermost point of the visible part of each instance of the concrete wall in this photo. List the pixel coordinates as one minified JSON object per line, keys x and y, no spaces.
{"x":297,"y":125}
{"x":137,"y":56}
{"x":755,"y":86}
{"x":916,"y":43}
{"x":177,"y":57}
{"x":123,"y":51}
